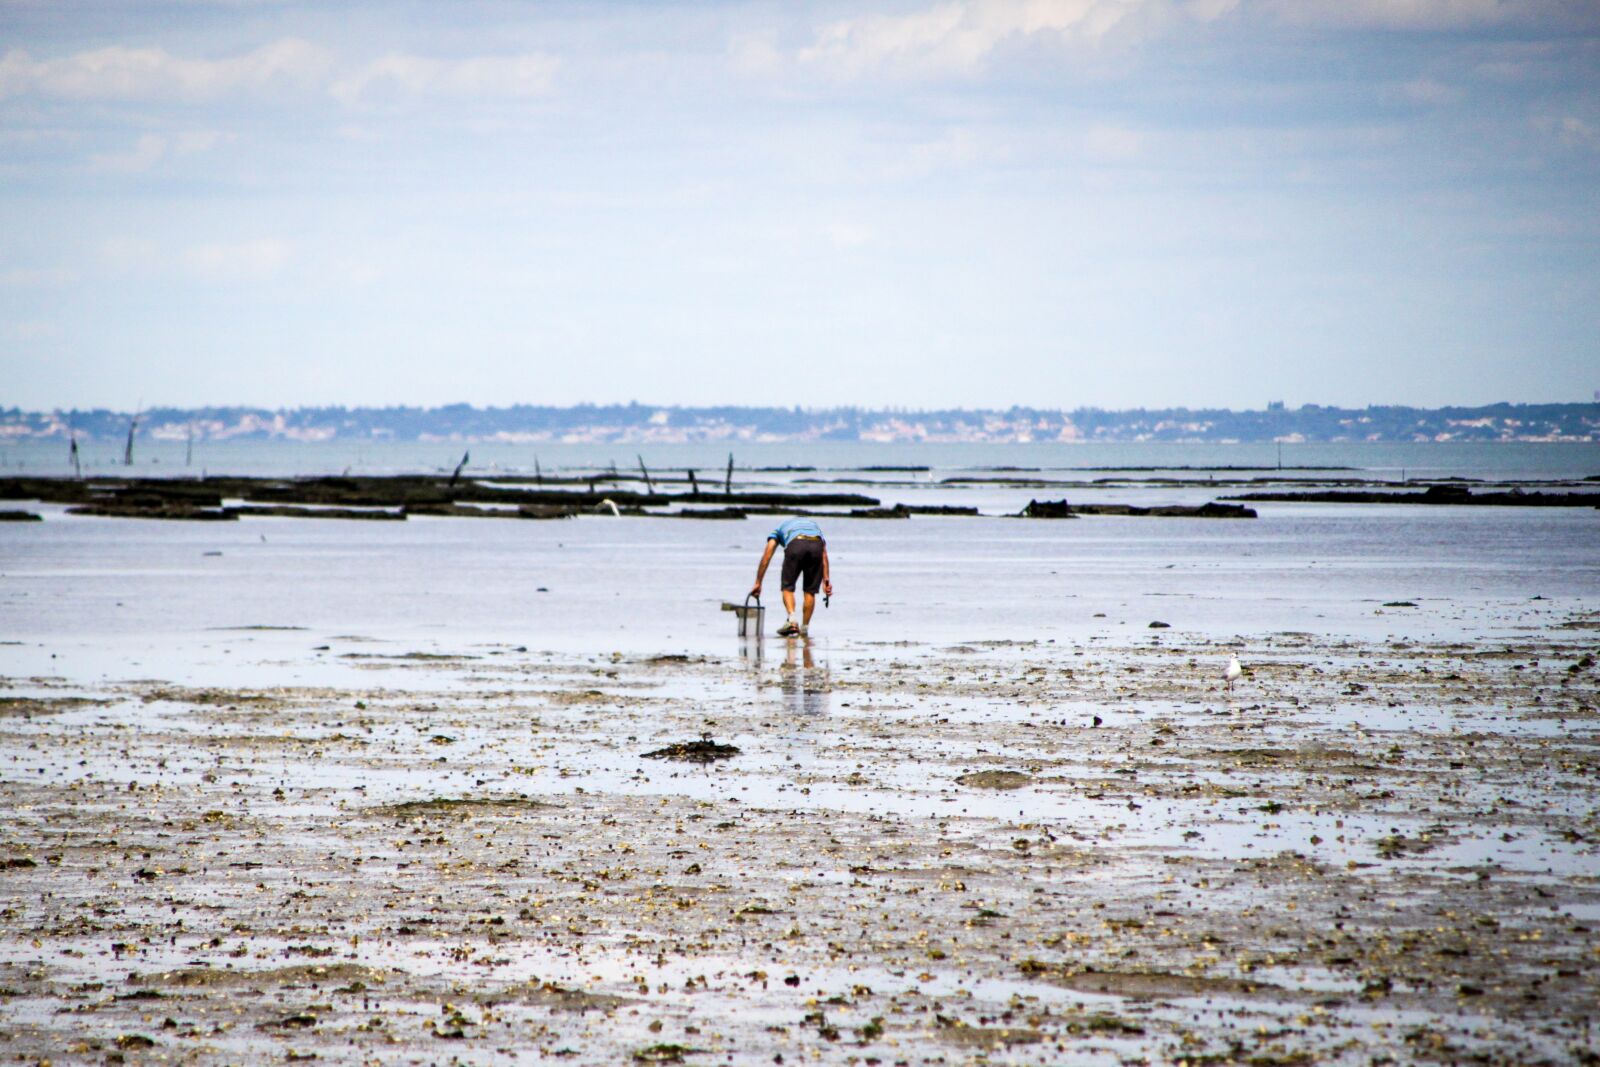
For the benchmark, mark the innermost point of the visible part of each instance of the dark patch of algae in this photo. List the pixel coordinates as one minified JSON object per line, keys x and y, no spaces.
{"x":996,"y":779}
{"x":1370,"y":852}
{"x":703,"y":751}
{"x":301,"y":975}
{"x":28,"y":706}
{"x":462,"y":806}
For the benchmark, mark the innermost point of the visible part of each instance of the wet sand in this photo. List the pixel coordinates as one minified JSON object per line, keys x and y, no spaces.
{"x":1369,"y":851}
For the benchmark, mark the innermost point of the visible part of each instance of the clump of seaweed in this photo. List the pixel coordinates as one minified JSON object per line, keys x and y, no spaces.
{"x":704,"y":750}
{"x":995,"y":780}
{"x":664,"y":1054}
{"x":461,"y":806}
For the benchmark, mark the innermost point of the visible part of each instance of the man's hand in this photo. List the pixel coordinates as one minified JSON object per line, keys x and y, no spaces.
{"x":761,"y":568}
{"x":827,"y":588}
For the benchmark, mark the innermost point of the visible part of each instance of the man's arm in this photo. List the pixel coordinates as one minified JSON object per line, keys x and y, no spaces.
{"x":766,"y":558}
{"x":827,"y":578}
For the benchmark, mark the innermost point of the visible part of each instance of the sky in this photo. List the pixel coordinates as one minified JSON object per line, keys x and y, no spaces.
{"x":918,"y":203}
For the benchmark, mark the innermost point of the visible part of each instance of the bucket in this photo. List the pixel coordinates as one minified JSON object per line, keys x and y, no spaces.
{"x":750,"y":616}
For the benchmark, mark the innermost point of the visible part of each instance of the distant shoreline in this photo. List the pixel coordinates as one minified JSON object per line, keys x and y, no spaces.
{"x":643,"y":425}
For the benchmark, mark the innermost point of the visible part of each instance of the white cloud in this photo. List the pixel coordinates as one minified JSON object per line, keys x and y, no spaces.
{"x":1112,"y":143}
{"x":962,"y":37}
{"x":755,"y":55}
{"x":954,"y":149}
{"x":242,"y":260}
{"x":1209,"y":10}
{"x":127,"y":254}
{"x":355,"y":272}
{"x":844,"y":235}
{"x":1429,"y":91}
{"x":403,"y":75}
{"x":35,"y":330}
{"x":147,"y":151}
{"x":152,"y":148}
{"x":1570,"y":130}
{"x":123,"y":73}
{"x":959,"y":37}
{"x":361,"y":133}
{"x":191,"y":142}
{"x":31,"y":277}
{"x":38,"y":135}
{"x":1394,"y":14}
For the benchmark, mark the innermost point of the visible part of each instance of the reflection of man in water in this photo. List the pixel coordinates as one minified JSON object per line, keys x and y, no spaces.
{"x":804,"y":553}
{"x":805,"y":686}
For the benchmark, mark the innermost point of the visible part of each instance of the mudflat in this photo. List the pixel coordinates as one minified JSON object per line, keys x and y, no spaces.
{"x":1367,"y":851}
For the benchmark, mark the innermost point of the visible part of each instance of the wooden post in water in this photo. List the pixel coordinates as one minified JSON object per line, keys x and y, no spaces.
{"x":648,"y":484}
{"x":457,"y":472}
{"x":72,"y":454}
{"x":127,"y":450}
{"x":727,"y":487}
{"x":538,"y":474}
{"x":694,"y":486}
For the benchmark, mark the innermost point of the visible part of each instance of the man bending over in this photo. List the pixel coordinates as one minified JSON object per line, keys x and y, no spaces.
{"x":804,"y":553}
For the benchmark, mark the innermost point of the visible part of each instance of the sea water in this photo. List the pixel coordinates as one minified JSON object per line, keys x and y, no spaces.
{"x":126,"y":597}
{"x":280,"y":458}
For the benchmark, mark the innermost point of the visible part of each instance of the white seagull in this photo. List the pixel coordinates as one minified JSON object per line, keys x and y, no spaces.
{"x":1232,"y":671}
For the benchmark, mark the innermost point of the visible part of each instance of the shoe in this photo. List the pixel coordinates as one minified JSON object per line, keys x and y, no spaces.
{"x":805,"y":631}
{"x":788,"y":629}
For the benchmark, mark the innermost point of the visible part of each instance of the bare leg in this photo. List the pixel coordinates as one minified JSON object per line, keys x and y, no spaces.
{"x":788,"y":601}
{"x":811,"y":605}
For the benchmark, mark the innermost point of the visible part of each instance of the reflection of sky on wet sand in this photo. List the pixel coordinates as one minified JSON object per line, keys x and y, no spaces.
{"x":804,"y":678}
{"x":851,"y":732}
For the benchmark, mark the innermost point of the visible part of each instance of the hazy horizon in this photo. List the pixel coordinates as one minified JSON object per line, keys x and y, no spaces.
{"x":918,"y":203}
{"x":647,"y":405}
{"x":658,"y":424}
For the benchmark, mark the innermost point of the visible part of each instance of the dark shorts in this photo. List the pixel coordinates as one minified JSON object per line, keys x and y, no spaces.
{"x":803,"y":556}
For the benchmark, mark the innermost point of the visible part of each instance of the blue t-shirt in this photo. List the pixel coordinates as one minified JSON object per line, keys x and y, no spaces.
{"x":788,"y":531}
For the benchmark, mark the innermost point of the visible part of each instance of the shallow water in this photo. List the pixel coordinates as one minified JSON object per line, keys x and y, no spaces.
{"x":115,"y":590}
